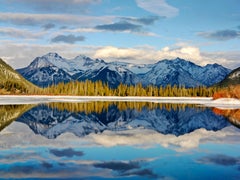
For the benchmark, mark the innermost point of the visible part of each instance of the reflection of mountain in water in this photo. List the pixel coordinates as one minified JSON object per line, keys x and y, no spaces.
{"x":9,"y":113}
{"x":51,"y":122}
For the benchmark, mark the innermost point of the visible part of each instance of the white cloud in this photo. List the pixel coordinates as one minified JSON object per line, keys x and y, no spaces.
{"x":159,"y":7}
{"x":150,"y":55}
{"x":149,"y":138}
{"x":110,"y":52}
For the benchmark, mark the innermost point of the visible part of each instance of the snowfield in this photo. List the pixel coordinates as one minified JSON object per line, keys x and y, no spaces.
{"x":223,"y":103}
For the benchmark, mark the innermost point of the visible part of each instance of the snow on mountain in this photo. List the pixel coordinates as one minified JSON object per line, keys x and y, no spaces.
{"x":135,"y":68}
{"x":45,"y":76}
{"x":52,"y":68}
{"x":212,"y":73}
{"x":173,"y":72}
{"x":181,"y":72}
{"x":71,"y":66}
{"x":113,"y":75}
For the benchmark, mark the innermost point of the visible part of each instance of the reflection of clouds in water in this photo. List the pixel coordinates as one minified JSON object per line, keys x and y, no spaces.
{"x":118,"y":166}
{"x":47,"y":169}
{"x":142,"y":138}
{"x":20,"y":155}
{"x":43,"y":163}
{"x":220,"y":159}
{"x":69,"y":152}
{"x":128,"y":168}
{"x":148,"y":138}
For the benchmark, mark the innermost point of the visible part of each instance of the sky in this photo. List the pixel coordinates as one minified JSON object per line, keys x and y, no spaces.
{"x":135,"y":31}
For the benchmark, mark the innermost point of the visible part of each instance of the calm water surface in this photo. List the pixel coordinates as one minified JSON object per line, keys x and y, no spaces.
{"x":118,"y":140}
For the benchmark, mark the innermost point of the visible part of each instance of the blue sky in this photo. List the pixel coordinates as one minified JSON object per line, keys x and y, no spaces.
{"x":138,"y":31}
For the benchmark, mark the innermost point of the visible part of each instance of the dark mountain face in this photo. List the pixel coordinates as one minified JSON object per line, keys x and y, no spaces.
{"x":52,"y":69}
{"x":51,"y":122}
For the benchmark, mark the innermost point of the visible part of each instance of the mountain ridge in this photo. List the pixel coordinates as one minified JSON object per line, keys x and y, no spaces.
{"x":52,"y":69}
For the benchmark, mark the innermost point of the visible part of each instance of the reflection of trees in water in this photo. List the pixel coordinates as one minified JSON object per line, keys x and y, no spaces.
{"x":101,"y":106}
{"x":233,"y":115}
{"x":9,"y":113}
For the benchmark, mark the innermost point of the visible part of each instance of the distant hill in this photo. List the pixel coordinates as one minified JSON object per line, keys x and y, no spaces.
{"x":53,"y":69}
{"x":11,"y":82}
{"x":230,"y":86}
{"x":232,"y":79}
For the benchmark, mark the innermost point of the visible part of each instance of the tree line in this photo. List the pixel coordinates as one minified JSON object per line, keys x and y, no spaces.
{"x":103,"y":106}
{"x":98,"y":88}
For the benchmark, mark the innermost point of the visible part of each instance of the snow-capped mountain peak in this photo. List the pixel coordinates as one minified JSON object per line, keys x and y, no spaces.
{"x":39,"y":63}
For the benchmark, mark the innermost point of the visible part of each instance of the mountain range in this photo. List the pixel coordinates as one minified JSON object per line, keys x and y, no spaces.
{"x":53,"y":69}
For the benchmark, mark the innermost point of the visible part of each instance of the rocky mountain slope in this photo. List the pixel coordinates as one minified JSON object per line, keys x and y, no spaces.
{"x":12,"y":82}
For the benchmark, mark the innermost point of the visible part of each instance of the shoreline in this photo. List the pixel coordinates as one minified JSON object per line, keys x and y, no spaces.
{"x":36,"y":99}
{"x":222,"y":103}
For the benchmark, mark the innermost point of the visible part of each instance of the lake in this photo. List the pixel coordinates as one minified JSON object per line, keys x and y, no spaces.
{"x":119,"y":140}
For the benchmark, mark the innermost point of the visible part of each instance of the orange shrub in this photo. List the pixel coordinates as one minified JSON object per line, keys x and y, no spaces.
{"x":222,"y":94}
